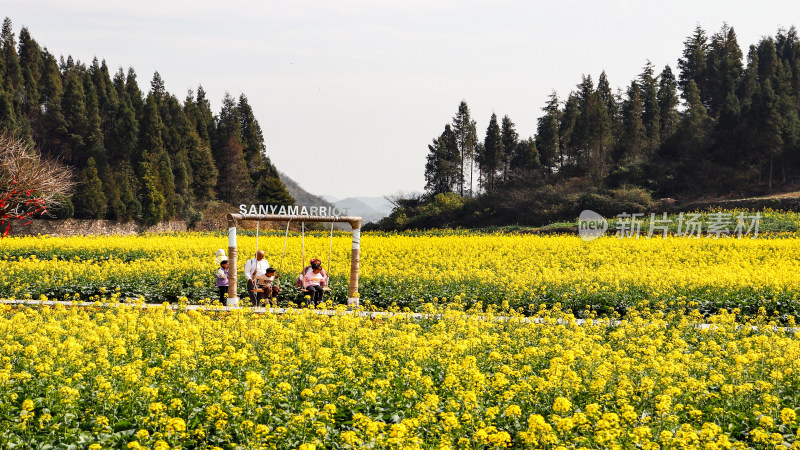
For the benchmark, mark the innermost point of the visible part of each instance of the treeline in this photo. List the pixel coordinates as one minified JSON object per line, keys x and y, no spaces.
{"x":147,"y":157}
{"x":722,"y":127}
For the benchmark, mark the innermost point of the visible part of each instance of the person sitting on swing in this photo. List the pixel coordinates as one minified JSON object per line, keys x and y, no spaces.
{"x":253,"y":268}
{"x":313,"y":279}
{"x":268,"y":283}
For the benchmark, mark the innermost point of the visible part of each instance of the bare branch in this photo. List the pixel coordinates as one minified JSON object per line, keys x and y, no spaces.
{"x":29,"y":184}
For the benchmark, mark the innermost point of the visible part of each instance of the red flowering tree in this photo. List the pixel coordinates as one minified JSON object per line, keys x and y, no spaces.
{"x":29,"y":184}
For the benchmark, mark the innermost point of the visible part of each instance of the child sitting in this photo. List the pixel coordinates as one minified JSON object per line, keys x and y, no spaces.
{"x":268,"y":283}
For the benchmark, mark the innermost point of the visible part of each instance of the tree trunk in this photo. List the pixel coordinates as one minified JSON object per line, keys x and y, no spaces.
{"x":770,"y":172}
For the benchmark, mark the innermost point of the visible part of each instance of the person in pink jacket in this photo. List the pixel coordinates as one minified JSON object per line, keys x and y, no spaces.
{"x":313,"y":279}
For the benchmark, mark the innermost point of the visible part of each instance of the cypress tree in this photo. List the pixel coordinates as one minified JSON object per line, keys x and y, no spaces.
{"x":13,"y":72}
{"x":771,"y":127}
{"x":492,"y":154}
{"x":204,"y":120}
{"x":123,"y":138}
{"x":651,"y":111}
{"x":547,"y":135}
{"x":133,"y":92}
{"x":89,"y":198}
{"x":271,"y":190}
{"x":152,"y":200}
{"x":166,"y":185}
{"x":668,"y":103}
{"x":692,"y":64}
{"x":228,"y":127}
{"x":634,"y":134}
{"x":204,"y":172}
{"x":436,"y":180}
{"x":73,"y":103}
{"x":608,"y":99}
{"x":52,"y":127}
{"x":510,"y":140}
{"x":131,"y":208}
{"x":465,"y":131}
{"x":151,"y":130}
{"x":31,"y":62}
{"x":234,"y":182}
{"x":8,"y":120}
{"x":569,"y":118}
{"x":525,"y":161}
{"x":252,"y":137}
{"x":724,"y":68}
{"x":694,"y":128}
{"x":767,"y":60}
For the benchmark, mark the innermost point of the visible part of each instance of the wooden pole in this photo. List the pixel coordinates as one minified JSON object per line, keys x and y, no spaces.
{"x":233,"y":296}
{"x":354,"y":259}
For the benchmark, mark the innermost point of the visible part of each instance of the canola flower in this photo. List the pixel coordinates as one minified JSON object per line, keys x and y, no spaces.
{"x":410,"y":270}
{"x":158,"y":378}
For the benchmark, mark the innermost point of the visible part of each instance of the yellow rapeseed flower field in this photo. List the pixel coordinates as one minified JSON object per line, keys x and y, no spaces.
{"x":409,"y":270}
{"x":127,"y":377}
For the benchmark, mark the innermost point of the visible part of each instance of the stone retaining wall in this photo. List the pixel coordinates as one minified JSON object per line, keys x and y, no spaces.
{"x":80,"y":227}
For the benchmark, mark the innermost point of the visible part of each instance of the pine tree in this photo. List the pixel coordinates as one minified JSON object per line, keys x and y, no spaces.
{"x":89,"y":198}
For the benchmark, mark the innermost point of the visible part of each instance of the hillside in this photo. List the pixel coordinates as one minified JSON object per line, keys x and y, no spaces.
{"x":302,"y":196}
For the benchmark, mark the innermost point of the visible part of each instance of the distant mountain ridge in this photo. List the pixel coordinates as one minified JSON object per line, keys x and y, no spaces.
{"x":372,"y":209}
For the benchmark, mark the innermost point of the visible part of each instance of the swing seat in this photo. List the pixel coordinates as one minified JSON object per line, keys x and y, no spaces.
{"x":325,"y":289}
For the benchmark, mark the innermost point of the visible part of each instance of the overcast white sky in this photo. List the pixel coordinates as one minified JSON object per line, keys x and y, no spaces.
{"x":349,"y":93}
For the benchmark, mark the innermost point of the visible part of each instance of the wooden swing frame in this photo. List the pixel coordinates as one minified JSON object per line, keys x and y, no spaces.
{"x":234,"y":219}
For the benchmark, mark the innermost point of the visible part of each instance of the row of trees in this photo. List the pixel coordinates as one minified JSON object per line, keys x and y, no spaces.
{"x":722,"y":126}
{"x":139,"y":156}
